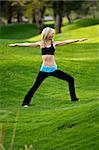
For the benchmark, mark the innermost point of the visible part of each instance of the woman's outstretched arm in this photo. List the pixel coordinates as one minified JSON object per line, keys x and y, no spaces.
{"x":26,"y":44}
{"x":60,"y":43}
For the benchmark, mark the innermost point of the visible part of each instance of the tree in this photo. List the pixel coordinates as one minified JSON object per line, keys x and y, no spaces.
{"x":58,"y":14}
{"x":10,"y":12}
{"x":6,"y":10}
{"x":71,"y":5}
{"x":18,"y":9}
{"x":37,"y":9}
{"x":82,"y":8}
{"x":90,"y":8}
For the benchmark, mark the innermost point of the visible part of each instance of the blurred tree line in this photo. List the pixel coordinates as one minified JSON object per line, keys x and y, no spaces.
{"x":33,"y":11}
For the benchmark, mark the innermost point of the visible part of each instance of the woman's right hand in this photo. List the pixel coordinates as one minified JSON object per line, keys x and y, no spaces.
{"x":12,"y":45}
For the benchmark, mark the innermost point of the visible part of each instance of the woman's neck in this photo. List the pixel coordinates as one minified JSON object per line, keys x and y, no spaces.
{"x":48,"y":41}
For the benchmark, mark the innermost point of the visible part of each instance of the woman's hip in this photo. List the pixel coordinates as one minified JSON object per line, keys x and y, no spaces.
{"x":48,"y":69}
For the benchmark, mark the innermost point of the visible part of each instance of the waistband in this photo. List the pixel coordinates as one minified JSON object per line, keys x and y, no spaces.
{"x":48,"y":69}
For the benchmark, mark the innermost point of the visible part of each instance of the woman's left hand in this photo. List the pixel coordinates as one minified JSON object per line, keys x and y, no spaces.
{"x":84,"y":39}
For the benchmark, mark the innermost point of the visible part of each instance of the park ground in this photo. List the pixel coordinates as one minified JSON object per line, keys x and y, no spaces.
{"x":52,"y":122}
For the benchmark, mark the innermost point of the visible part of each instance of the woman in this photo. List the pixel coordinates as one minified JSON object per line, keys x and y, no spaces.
{"x":49,"y":66}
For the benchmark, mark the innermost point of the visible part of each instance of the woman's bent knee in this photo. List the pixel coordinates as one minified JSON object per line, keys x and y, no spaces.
{"x":72,"y":79}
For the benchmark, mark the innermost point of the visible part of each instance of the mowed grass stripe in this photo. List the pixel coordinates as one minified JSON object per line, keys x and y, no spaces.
{"x":52,"y":121}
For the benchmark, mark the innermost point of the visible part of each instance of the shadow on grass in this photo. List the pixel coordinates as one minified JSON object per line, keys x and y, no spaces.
{"x":25,"y":31}
{"x":21,"y":31}
{"x":18,"y":31}
{"x":81,"y":23}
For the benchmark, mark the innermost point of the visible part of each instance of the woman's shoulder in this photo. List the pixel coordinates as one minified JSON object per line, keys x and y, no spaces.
{"x":41,"y":44}
{"x":54,"y":43}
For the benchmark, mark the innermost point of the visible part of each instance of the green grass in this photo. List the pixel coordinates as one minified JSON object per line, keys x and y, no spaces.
{"x":81,"y":23}
{"x":17,"y":31}
{"x":52,"y":122}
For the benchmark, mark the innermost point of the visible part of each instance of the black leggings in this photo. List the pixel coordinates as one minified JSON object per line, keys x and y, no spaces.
{"x":42,"y":75}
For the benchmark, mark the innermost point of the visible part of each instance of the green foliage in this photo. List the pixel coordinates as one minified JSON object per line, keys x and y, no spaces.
{"x":52,"y":122}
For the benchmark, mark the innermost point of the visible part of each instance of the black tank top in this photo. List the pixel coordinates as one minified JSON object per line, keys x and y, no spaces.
{"x":48,"y":50}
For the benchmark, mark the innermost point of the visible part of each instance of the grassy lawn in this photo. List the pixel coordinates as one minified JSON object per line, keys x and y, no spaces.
{"x":52,"y":122}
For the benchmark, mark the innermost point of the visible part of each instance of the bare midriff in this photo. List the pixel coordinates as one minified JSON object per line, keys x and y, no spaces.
{"x":48,"y":60}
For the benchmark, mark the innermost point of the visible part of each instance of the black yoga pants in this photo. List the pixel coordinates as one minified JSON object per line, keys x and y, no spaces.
{"x":42,"y":75}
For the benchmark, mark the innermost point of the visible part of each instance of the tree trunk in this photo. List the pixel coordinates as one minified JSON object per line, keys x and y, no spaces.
{"x":58,"y":14}
{"x":19,"y":13}
{"x":58,"y":23}
{"x":34,"y":18}
{"x":10,"y":15}
{"x":19,"y":18}
{"x":39,"y":19}
{"x":68,"y":17}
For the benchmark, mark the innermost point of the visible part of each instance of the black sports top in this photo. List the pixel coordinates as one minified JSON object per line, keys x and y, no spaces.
{"x":48,"y":50}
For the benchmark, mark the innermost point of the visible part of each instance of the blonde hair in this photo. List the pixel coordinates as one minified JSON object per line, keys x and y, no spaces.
{"x":46,"y":31}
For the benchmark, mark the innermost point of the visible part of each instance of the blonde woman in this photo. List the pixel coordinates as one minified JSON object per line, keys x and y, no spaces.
{"x":49,"y":66}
